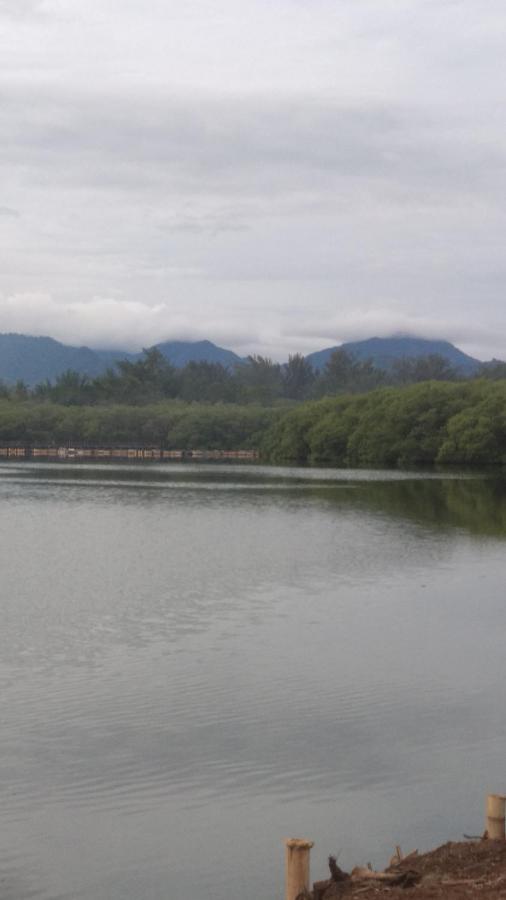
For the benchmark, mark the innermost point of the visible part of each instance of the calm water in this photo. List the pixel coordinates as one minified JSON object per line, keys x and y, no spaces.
{"x":197,"y":661}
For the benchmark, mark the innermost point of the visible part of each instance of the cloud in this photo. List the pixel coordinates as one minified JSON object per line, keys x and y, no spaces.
{"x":259,"y":173}
{"x":258,"y":146}
{"x":107,"y":322}
{"x":361,"y":324}
{"x":21,"y":8}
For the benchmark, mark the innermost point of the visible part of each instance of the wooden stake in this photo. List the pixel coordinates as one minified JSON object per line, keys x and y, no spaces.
{"x":496,"y":805}
{"x":297,"y":854}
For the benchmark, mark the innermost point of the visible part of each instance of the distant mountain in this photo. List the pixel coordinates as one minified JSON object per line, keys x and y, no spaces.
{"x":109,"y":358}
{"x":35,"y":359}
{"x":179,"y":353}
{"x":385,"y":351}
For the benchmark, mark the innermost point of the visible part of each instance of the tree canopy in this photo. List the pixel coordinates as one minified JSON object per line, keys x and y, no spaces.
{"x":431,"y":422}
{"x":151,"y":378}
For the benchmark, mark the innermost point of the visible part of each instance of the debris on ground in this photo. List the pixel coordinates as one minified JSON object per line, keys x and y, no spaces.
{"x":456,"y":871}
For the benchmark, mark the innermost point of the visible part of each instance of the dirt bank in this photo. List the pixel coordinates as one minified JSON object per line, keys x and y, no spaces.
{"x":455,"y":871}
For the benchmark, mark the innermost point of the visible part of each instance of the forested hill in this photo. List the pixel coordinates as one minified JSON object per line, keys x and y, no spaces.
{"x":37,"y":359}
{"x":384,"y":353}
{"x":180,"y":353}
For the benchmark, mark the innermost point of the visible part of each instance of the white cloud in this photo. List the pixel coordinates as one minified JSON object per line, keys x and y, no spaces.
{"x":106,"y":322}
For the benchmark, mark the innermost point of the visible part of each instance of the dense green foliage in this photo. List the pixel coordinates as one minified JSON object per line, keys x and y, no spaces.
{"x":433,"y":422}
{"x":348,"y":414}
{"x":172,"y":425}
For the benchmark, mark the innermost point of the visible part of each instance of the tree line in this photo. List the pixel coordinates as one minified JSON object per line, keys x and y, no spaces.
{"x":259,"y":380}
{"x":430,"y":423}
{"x":351,"y":413}
{"x":171,"y":425}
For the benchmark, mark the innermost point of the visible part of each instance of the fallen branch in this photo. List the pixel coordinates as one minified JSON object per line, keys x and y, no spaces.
{"x":391,"y":878}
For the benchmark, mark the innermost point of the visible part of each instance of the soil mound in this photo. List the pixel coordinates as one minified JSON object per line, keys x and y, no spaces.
{"x":455,"y":871}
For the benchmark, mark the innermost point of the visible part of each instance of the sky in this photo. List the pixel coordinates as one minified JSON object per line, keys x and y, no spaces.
{"x":276,"y":176}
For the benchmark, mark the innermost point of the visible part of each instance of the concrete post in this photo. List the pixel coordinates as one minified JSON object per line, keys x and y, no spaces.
{"x":296,"y":867}
{"x":496,"y":805}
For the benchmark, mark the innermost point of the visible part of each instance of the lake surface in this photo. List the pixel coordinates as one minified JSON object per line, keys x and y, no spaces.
{"x":197,"y":661}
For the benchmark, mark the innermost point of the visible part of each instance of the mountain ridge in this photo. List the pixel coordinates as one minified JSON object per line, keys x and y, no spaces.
{"x":385,"y":352}
{"x":34,"y":359}
{"x":37,"y":358}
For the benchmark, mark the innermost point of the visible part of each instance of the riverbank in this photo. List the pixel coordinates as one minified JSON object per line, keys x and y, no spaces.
{"x":433,"y":423}
{"x":454,"y":871}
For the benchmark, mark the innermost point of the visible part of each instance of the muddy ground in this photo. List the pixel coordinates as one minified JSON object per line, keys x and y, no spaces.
{"x":455,"y":871}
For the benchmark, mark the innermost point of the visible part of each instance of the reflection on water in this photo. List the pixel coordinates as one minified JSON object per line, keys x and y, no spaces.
{"x":441,"y":499}
{"x":198,"y":660}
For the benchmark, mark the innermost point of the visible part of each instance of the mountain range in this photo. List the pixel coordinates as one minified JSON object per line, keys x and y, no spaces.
{"x":384,"y":352}
{"x":35,"y":359}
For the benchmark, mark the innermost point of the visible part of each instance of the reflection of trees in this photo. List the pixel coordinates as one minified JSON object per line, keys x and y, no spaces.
{"x":475,"y":504}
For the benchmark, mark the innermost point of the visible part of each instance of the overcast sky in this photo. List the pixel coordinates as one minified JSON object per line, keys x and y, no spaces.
{"x":274,"y":175}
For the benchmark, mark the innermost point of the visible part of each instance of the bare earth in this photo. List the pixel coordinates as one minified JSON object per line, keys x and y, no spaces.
{"x":455,"y":871}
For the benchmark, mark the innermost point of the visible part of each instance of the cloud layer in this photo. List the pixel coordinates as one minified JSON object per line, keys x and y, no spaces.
{"x":274,"y":177}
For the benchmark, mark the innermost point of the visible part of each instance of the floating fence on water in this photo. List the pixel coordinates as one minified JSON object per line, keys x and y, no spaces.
{"x":125,"y":453}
